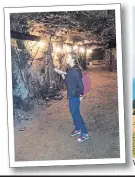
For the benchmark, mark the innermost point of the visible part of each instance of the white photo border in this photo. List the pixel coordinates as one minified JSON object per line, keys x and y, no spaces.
{"x":117,"y":8}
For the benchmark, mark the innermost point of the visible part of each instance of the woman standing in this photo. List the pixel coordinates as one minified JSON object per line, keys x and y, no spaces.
{"x":75,"y":89}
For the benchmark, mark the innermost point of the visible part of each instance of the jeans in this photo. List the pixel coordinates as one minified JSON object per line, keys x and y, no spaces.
{"x":74,"y":107}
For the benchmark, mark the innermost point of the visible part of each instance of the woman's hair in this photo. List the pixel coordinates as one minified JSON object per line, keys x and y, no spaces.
{"x":77,"y":63}
{"x":73,"y":55}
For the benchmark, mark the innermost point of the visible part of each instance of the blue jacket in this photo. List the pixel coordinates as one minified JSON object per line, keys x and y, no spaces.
{"x":74,"y":84}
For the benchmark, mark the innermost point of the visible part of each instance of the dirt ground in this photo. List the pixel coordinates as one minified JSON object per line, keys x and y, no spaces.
{"x":44,"y":134}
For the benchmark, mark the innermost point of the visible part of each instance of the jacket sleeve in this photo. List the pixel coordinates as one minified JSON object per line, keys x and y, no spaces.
{"x":78,"y":76}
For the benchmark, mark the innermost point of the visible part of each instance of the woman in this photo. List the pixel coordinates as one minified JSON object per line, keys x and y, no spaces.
{"x":75,"y":89}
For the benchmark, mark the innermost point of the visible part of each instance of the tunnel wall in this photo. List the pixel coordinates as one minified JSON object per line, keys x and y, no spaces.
{"x":110,"y":59}
{"x":32,"y":78}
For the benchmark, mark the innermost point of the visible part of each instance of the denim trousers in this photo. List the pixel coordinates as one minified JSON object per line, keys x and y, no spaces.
{"x":74,"y":107}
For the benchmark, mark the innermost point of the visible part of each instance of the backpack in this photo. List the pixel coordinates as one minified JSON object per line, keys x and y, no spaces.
{"x":86,"y":82}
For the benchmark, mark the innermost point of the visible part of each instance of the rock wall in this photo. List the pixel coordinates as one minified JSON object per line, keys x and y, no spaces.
{"x":110,"y":59}
{"x":32,"y":77}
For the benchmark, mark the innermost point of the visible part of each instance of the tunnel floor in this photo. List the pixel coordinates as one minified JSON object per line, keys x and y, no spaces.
{"x":45,"y":134}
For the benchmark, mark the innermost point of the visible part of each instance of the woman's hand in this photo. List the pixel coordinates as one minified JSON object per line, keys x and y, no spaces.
{"x":63,"y":76}
{"x":81,"y":97}
{"x":59,"y":71}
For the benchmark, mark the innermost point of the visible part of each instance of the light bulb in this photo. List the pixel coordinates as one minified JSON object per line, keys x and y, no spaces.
{"x":41,"y":44}
{"x":58,"y":49}
{"x":75,"y":47}
{"x":82,"y":49}
{"x":89,"y":50}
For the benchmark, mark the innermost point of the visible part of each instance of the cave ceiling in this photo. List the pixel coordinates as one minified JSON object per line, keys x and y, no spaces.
{"x":92,"y":28}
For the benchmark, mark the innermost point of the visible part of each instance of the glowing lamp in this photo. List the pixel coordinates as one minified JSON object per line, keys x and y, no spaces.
{"x":41,"y":44}
{"x":82,"y":49}
{"x":75,"y":47}
{"x":58,"y":49}
{"x":89,"y":50}
{"x":68,"y":49}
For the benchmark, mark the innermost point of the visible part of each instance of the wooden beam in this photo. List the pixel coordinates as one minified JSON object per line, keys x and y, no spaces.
{"x":23,"y":36}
